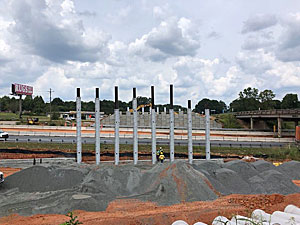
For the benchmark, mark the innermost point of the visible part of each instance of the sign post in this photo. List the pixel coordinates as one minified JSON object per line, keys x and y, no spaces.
{"x":19,"y":90}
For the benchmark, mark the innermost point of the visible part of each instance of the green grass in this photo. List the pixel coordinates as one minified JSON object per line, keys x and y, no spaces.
{"x":283,"y":153}
{"x":228,"y":121}
{"x":8,"y":116}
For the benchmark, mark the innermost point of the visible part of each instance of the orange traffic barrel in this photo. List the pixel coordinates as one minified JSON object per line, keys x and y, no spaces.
{"x":298,"y":133}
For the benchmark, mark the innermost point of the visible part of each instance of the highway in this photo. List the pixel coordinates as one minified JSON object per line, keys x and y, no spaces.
{"x":146,"y":141}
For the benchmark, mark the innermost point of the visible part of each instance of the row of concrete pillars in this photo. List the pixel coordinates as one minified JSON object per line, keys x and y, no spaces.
{"x":135,"y":128}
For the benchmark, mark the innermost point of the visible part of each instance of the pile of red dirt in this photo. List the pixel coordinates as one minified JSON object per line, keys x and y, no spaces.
{"x":137,"y":212}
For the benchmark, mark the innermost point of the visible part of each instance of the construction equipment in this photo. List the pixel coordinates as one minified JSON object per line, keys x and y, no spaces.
{"x":1,"y":177}
{"x":32,"y":121}
{"x":141,"y":106}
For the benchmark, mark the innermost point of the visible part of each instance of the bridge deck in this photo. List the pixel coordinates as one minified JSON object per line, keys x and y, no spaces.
{"x":276,"y":113}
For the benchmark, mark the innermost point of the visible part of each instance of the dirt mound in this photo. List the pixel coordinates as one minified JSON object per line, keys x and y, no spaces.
{"x":291,"y":169}
{"x":65,"y":187}
{"x":42,"y":179}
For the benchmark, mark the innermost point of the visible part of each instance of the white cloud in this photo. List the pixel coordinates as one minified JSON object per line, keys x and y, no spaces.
{"x":54,"y":32}
{"x":201,"y":78}
{"x":174,"y":37}
{"x":289,"y":42}
{"x":259,"y":22}
{"x":64,"y":44}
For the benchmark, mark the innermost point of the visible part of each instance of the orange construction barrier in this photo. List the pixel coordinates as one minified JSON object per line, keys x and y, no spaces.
{"x":298,"y":133}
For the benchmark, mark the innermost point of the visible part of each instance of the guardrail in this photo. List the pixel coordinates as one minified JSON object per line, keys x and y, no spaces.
{"x":269,"y":112}
{"x":148,"y":136}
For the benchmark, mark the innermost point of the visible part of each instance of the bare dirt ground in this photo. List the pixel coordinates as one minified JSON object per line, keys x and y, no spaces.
{"x":9,"y":171}
{"x":137,"y":212}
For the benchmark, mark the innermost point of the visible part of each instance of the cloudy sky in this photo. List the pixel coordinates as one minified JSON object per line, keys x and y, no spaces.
{"x":209,"y":49}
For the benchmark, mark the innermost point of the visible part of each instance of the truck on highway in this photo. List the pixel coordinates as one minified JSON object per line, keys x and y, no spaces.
{"x":3,"y":134}
{"x":1,"y":177}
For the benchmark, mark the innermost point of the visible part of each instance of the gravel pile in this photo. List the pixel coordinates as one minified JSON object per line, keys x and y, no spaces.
{"x":63,"y":188}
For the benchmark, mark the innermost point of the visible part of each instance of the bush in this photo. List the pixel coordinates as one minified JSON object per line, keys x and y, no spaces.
{"x":73,"y":220}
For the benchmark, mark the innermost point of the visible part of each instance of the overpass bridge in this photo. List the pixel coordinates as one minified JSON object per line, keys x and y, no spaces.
{"x":275,"y":114}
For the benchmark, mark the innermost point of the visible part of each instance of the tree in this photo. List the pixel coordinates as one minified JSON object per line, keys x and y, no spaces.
{"x":4,"y":103}
{"x":266,"y":99}
{"x":247,"y":101}
{"x":206,"y":103}
{"x":290,"y":101}
{"x":39,"y":105}
{"x":249,"y":93}
{"x":57,"y":102}
{"x":27,"y":103}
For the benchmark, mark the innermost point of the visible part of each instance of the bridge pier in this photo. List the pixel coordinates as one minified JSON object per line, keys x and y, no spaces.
{"x":251,"y":123}
{"x":279,"y":124}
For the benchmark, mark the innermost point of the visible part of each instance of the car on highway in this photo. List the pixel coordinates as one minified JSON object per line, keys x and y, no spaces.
{"x":3,"y":134}
{"x":1,"y":177}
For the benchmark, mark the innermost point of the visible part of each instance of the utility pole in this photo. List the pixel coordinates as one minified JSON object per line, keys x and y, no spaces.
{"x":50,"y":92}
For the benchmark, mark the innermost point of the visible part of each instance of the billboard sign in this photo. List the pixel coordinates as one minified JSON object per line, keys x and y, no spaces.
{"x":21,"y":89}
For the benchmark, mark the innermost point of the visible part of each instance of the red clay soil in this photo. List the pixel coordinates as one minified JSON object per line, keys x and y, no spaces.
{"x":126,"y":132}
{"x":9,"y":171}
{"x":137,"y":212}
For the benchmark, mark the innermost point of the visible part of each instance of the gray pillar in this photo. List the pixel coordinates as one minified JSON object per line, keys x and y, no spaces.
{"x":143,"y":110}
{"x":279,"y":121}
{"x":135,"y":128}
{"x":251,"y":123}
{"x":171,"y":111}
{"x":165,"y":109}
{"x":78,"y":126}
{"x":190,"y":132}
{"x":157,"y":110}
{"x":153,"y":126}
{"x":117,"y":126}
{"x":20,"y":107}
{"x":207,"y":134}
{"x":97,"y":126}
{"x":128,"y":112}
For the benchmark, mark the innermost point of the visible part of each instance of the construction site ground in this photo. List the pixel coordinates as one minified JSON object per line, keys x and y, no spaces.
{"x":143,"y":211}
{"x":135,"y":212}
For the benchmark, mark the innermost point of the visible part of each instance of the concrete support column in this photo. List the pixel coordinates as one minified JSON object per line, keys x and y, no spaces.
{"x":78,"y":126}
{"x":153,"y":126}
{"x":117,"y":126}
{"x":143,"y":110}
{"x":171,"y":111}
{"x":127,"y":112}
{"x":251,"y":123}
{"x":20,"y":107}
{"x":207,"y":134}
{"x":190,"y":132}
{"x":157,"y":110}
{"x":165,"y":109}
{"x":97,"y":126}
{"x":135,"y":128}
{"x":279,"y":121}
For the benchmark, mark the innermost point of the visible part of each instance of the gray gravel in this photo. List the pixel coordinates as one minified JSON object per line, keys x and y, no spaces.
{"x":65,"y":186}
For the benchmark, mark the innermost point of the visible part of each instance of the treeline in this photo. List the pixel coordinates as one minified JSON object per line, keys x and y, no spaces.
{"x":248,"y":99}
{"x":37,"y":105}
